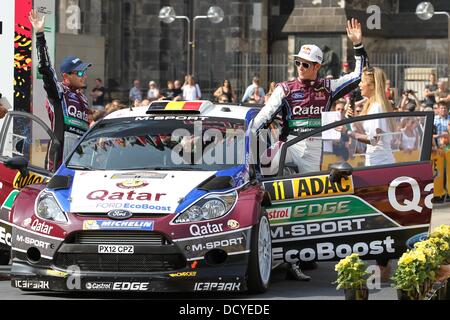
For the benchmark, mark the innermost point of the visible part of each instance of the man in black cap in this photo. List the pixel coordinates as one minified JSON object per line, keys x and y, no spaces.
{"x":67,"y":106}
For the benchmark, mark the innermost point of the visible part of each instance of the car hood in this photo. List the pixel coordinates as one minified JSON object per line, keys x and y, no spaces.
{"x":137,"y":192}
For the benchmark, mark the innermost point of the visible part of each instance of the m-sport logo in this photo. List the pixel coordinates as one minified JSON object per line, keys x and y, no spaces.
{"x":119,"y":214}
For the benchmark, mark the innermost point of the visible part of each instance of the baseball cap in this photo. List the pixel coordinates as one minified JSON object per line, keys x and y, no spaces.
{"x":310,"y":52}
{"x":72,"y":63}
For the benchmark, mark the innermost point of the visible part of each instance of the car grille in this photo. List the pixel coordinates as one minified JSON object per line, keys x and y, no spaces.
{"x":119,"y":237}
{"x":121,"y":263}
{"x":138,"y":262}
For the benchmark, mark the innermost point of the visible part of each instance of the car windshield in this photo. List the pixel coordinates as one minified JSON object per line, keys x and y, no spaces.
{"x":169,"y":143}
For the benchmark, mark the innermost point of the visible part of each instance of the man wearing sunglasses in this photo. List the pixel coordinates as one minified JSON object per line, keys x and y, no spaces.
{"x":301,"y":101}
{"x":67,"y":106}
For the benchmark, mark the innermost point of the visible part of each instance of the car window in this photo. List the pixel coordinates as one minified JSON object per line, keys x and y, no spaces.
{"x":372,"y":141}
{"x":24,"y":136}
{"x":209,"y":144}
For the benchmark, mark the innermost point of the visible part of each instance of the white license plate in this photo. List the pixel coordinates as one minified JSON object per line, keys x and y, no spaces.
{"x":115,"y":249}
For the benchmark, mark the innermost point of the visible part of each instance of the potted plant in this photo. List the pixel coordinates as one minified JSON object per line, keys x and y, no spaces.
{"x":416,"y":271}
{"x":440,"y":237}
{"x":352,"y":277}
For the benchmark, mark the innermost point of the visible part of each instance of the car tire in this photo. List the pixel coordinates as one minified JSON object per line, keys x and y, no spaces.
{"x":260,"y":263}
{"x":5,"y":257}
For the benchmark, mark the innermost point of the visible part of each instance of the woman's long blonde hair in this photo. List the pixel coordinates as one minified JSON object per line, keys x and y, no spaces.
{"x":377,"y":77}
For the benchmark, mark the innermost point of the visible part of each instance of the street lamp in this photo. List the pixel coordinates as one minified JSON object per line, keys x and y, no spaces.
{"x":425,"y":11}
{"x":167,"y":15}
{"x":215,"y":15}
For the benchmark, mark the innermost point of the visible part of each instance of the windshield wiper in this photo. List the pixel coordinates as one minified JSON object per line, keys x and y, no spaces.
{"x":165,"y":168}
{"x":77,"y":167}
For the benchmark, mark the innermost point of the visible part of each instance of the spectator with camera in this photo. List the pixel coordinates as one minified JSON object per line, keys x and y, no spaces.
{"x":409,"y":101}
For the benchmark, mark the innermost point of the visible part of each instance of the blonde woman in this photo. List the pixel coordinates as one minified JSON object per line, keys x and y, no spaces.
{"x":376,"y":136}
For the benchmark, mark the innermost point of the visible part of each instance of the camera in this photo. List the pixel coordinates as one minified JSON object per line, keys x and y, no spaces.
{"x":408,"y":92}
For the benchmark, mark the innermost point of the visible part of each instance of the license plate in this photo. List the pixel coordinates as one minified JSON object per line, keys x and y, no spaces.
{"x":115,"y":249}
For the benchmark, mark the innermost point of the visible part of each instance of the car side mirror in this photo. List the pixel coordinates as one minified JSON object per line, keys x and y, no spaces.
{"x":18,"y":163}
{"x":340,"y":170}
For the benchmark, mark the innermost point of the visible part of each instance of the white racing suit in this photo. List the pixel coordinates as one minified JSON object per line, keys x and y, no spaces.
{"x":301,"y":103}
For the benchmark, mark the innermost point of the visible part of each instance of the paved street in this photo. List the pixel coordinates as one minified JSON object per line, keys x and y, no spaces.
{"x":320,"y":287}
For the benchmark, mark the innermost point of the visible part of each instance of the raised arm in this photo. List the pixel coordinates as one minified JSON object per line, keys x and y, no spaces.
{"x":45,"y":67}
{"x":349,"y":82}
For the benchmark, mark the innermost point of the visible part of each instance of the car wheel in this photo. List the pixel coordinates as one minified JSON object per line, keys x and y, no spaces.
{"x":260,"y":264}
{"x":5,"y":256}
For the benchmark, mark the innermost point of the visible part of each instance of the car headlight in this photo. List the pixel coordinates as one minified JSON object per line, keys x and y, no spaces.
{"x":47,"y":208}
{"x":210,"y":207}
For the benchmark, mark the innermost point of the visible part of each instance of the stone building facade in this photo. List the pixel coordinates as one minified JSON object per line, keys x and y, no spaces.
{"x":139,"y":46}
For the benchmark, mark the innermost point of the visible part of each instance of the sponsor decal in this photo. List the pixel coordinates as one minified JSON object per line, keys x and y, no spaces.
{"x":116,"y":249}
{"x":406,"y":203}
{"x":283,"y":213}
{"x":56,"y":273}
{"x":318,"y":209}
{"x":332,"y":251}
{"x":417,"y":238}
{"x":318,"y":228}
{"x":26,"y":222}
{"x":143,"y":225}
{"x":132,"y":184}
{"x":145,"y":206}
{"x":298,"y":95}
{"x":119,"y":214}
{"x":31,"y":284}
{"x":217,"y":286}
{"x":74,"y":112}
{"x":21,"y":181}
{"x":130,"y":286}
{"x":34,"y":242}
{"x":182,"y":118}
{"x":131,"y":196}
{"x":41,"y":227}
{"x":309,"y":187}
{"x":139,"y":175}
{"x":9,"y":201}
{"x":183,"y":274}
{"x":202,"y":230}
{"x":218,"y":243}
{"x":233,"y":224}
{"x":5,"y":236}
{"x":307,"y":111}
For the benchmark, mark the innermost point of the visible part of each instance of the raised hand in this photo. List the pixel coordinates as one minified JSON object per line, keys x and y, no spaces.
{"x":354,"y":31}
{"x":37,"y":21}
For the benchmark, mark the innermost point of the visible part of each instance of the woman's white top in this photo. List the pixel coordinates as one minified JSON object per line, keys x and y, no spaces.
{"x":191,"y":92}
{"x":380,"y":153}
{"x":407,"y":141}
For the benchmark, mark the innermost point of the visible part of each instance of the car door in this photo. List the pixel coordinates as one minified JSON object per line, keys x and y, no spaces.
{"x":22,"y":136}
{"x":353,"y":203}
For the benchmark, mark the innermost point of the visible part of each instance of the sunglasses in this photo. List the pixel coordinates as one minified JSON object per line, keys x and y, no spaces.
{"x":303,"y":64}
{"x":80,"y":73}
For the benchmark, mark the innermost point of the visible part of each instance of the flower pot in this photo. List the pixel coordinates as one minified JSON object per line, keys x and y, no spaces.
{"x":356,"y":294}
{"x":404,"y":295}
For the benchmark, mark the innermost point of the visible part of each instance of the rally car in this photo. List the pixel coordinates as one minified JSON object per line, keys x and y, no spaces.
{"x":175,"y":197}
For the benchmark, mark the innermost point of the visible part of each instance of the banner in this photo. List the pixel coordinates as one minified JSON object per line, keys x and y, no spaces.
{"x":47,"y":8}
{"x":437,"y":158}
{"x":22,"y":56}
{"x":7,"y":53}
{"x":447,"y":170}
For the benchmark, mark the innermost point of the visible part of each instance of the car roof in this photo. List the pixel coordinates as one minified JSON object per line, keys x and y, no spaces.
{"x":198,"y":107}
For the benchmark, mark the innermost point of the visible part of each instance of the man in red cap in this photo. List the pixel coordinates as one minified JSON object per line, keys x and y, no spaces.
{"x":67,"y":106}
